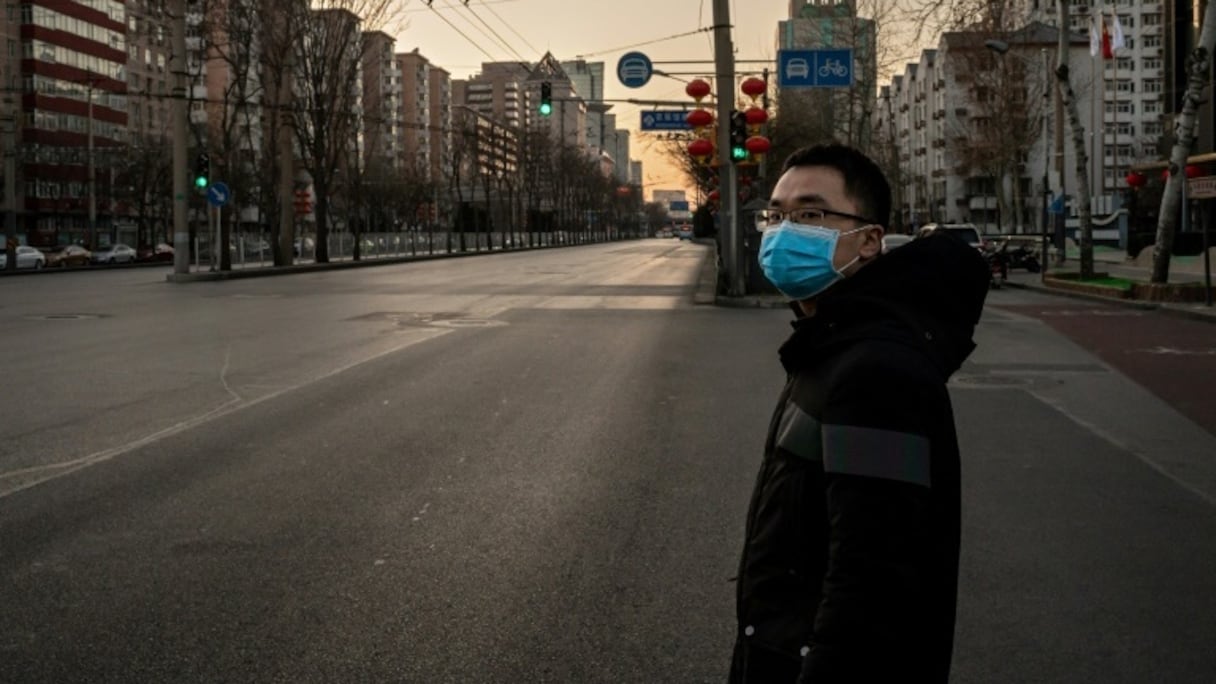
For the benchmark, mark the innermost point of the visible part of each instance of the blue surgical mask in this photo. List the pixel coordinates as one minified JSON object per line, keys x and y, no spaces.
{"x":798,"y":259}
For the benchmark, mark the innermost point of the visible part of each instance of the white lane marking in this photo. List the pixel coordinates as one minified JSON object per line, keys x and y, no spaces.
{"x":1122,"y":446}
{"x":54,"y":471}
{"x":1171,"y":351}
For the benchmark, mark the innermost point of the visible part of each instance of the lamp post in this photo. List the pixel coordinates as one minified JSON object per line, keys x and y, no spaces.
{"x":1002,"y":48}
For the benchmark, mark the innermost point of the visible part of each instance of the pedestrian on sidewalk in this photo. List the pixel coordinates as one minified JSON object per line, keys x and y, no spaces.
{"x":849,"y":568}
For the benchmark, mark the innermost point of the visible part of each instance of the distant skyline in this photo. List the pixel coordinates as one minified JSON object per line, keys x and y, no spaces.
{"x":523,"y":30}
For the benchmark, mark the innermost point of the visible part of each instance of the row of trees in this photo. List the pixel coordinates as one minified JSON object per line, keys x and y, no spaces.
{"x":291,"y":114}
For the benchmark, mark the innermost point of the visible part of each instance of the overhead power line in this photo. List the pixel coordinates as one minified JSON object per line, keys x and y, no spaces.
{"x":648,"y":42}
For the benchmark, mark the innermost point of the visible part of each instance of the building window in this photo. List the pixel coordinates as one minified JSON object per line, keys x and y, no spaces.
{"x":1152,"y":85}
{"x":1152,"y":19}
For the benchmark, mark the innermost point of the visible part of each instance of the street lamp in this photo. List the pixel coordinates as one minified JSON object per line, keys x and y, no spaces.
{"x":1002,"y":48}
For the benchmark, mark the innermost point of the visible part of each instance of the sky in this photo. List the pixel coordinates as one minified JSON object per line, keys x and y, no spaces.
{"x":459,"y":38}
{"x":595,"y":30}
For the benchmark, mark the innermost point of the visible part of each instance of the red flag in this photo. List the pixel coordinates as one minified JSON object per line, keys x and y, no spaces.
{"x":1108,"y":52}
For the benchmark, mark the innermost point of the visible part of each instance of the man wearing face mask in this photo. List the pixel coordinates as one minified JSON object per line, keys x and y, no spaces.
{"x":849,"y":569}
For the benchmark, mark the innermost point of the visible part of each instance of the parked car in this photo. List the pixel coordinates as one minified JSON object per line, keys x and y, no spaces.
{"x":162,"y":251}
{"x":304,"y":245}
{"x":890,"y":242}
{"x":117,"y":253}
{"x":964,"y":231}
{"x":30,"y":257}
{"x":72,"y":255}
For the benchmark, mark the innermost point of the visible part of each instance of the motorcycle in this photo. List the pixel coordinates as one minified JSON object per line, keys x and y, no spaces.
{"x":1024,"y":257}
{"x":998,"y":267}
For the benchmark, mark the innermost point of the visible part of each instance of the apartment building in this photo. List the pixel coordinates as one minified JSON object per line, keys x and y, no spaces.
{"x":417,"y":155}
{"x":70,"y":64}
{"x":382,"y":111}
{"x":972,"y":135}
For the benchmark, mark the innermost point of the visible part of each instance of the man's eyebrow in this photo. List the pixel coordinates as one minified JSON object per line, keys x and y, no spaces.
{"x":801,"y":200}
{"x":810,"y":198}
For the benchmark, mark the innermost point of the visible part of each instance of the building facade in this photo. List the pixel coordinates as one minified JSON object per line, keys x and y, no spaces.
{"x":71,"y":66}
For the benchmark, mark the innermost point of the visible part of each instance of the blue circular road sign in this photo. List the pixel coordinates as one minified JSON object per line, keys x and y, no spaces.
{"x":634,"y":69}
{"x":218,"y":194}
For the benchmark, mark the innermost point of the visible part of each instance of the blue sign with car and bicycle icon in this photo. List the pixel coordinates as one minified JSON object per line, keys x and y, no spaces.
{"x":826,"y":68}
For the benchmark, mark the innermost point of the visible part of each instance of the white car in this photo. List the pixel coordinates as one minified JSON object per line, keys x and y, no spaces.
{"x":890,"y":242}
{"x":30,"y":257}
{"x":117,"y":253}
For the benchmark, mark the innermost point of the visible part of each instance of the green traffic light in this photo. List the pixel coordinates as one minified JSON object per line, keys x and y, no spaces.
{"x":200,"y":182}
{"x":738,"y":153}
{"x":546,"y":109}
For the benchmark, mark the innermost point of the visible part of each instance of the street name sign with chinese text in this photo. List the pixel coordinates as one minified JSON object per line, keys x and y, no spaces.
{"x":665,"y":120}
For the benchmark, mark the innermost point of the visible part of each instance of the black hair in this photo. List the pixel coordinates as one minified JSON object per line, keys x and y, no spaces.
{"x":864,"y":182}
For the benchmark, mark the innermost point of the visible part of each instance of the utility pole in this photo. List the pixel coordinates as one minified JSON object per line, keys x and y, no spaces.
{"x":724,"y":65}
{"x":8,"y":126}
{"x":93,"y":242}
{"x":178,"y":69}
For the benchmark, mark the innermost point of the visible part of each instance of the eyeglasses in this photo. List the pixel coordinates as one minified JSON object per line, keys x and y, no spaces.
{"x":771,"y":218}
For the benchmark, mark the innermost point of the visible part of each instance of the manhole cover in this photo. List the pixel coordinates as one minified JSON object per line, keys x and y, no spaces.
{"x":63,"y":317}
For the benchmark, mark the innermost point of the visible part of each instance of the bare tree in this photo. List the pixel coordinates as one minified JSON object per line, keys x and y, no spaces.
{"x":328,"y":57}
{"x":1198,"y":75}
{"x":1084,"y":212}
{"x":232,"y":30}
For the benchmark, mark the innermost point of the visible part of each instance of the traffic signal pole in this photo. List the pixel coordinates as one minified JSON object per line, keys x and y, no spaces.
{"x":728,"y":214}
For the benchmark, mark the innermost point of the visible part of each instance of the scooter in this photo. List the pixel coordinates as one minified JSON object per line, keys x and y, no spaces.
{"x":998,"y":266}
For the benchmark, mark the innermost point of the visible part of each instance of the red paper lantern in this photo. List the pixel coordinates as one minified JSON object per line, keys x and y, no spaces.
{"x":697,"y":89}
{"x":699,"y":118}
{"x":714,"y":195}
{"x":1135,"y":179}
{"x":754,"y":86}
{"x":755,"y":116}
{"x":1193,"y":171}
{"x":700,"y":148}
{"x":622,"y":191}
{"x":758,"y":144}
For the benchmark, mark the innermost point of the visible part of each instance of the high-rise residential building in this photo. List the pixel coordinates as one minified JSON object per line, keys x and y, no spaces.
{"x":70,"y":61}
{"x":415,"y":113}
{"x":149,"y":82}
{"x":967,"y":132}
{"x":1138,"y":89}
{"x":382,"y":94}
{"x":440,"y":95}
{"x":587,"y":81}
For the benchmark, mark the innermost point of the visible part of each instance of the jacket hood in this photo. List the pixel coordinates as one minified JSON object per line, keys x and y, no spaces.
{"x":929,"y":290}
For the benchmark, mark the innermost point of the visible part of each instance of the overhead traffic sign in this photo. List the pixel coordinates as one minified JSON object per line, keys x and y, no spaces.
{"x":826,"y":68}
{"x":634,"y":69}
{"x":218,"y":194}
{"x":665,"y":120}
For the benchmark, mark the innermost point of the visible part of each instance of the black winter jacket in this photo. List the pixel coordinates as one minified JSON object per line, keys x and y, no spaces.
{"x":849,"y":570}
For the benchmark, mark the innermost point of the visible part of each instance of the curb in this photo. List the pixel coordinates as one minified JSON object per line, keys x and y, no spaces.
{"x":1206,"y":314}
{"x":367,"y":262}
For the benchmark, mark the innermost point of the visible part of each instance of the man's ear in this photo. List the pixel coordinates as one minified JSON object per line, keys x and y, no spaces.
{"x":871,"y":242}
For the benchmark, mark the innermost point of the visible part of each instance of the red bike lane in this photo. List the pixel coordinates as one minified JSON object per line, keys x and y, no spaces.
{"x":1172,"y":357}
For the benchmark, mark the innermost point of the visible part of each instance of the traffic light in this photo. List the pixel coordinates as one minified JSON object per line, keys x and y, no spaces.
{"x":738,"y":136}
{"x":546,"y":98}
{"x":202,"y":171}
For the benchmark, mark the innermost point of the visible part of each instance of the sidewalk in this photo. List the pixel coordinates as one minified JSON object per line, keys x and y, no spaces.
{"x":1182,"y":270}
